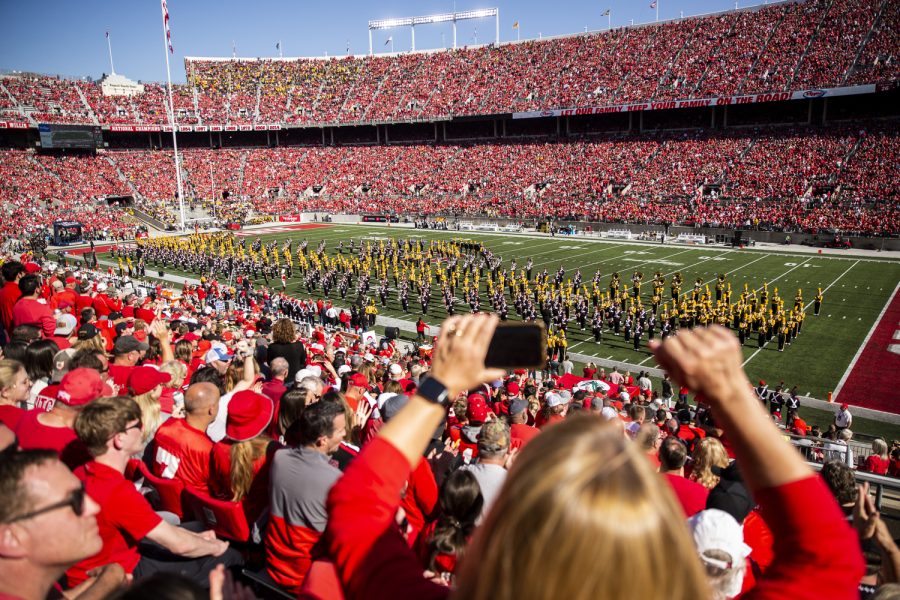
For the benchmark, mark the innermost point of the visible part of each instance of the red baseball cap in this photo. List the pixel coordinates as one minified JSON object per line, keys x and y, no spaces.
{"x":359,"y":380}
{"x":31,"y":267}
{"x":476,"y":411}
{"x":70,"y":280}
{"x":512,"y":388}
{"x":845,"y":406}
{"x":81,"y":386}
{"x":190,"y":336}
{"x":249,"y":414}
{"x":143,"y":379}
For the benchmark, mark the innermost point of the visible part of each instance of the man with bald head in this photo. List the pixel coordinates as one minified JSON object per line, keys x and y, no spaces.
{"x":181,"y":448}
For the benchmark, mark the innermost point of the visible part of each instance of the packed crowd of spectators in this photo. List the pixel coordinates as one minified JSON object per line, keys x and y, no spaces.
{"x":774,"y":48}
{"x":795,"y":180}
{"x":154,"y":438}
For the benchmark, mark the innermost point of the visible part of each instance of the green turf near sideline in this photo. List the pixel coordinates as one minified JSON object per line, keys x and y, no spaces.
{"x":856,"y":291}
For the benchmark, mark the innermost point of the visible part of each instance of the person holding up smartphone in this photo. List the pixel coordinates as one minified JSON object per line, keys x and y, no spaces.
{"x":579,"y":498}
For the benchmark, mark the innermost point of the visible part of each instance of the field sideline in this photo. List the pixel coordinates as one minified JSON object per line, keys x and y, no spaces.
{"x":856,"y":291}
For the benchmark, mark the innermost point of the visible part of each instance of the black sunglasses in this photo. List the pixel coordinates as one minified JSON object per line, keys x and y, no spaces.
{"x":75,"y":500}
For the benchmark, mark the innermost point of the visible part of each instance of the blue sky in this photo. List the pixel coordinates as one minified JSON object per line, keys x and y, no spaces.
{"x":67,"y":37}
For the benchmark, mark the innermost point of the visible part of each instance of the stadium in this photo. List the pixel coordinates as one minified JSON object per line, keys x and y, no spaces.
{"x":274,"y":268}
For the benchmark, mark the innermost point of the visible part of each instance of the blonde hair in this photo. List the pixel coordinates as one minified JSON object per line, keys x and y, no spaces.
{"x":151,"y":415}
{"x":709,"y":453}
{"x":578,"y":501}
{"x":96,"y":343}
{"x":9,"y":370}
{"x":176,"y":370}
{"x":880,"y":447}
{"x":244,"y":455}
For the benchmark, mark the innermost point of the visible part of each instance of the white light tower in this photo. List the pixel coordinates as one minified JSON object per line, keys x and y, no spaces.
{"x":453,"y":17}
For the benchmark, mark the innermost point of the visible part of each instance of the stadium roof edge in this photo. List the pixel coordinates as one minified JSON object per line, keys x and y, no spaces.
{"x":751,"y":8}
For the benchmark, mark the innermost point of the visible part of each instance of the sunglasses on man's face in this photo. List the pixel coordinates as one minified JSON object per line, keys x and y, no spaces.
{"x":75,"y":500}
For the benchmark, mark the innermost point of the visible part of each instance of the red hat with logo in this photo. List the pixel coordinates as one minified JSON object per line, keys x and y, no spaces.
{"x":144,"y":379}
{"x":512,"y":388}
{"x":249,"y":414}
{"x":81,"y":386}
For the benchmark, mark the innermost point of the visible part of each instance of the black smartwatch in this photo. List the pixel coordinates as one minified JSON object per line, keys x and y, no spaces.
{"x":433,"y":390}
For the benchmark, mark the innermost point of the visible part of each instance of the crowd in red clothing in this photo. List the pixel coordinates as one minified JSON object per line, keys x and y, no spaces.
{"x":788,"y":46}
{"x":836,"y":179}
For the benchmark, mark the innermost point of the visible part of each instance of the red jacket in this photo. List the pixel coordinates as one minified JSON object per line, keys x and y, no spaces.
{"x":817,"y":553}
{"x":9,"y":293}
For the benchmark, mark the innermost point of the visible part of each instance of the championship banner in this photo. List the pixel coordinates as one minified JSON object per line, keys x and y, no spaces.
{"x":700,"y":102}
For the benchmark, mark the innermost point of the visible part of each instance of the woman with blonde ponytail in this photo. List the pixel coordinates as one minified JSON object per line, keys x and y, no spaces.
{"x":239,"y":470}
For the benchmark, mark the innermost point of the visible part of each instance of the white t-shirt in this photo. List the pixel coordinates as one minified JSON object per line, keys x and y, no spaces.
{"x":216,"y":429}
{"x":843,"y":419}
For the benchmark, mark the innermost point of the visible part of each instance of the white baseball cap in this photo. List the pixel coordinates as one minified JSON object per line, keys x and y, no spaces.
{"x":714,"y":529}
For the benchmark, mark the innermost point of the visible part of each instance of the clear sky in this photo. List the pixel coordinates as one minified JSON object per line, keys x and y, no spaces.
{"x":66,"y":37}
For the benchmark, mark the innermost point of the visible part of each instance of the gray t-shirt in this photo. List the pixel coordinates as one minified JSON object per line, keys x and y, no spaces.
{"x":490,"y":479}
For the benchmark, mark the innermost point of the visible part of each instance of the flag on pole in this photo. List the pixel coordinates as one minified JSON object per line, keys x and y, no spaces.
{"x":516,"y":25}
{"x":653,"y":4}
{"x":278,"y":45}
{"x":389,"y":40}
{"x":107,"y":35}
{"x":165,"y":8}
{"x":605,"y":13}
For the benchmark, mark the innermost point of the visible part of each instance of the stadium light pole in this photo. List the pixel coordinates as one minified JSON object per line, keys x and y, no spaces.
{"x":112,"y":67}
{"x":452,"y":18}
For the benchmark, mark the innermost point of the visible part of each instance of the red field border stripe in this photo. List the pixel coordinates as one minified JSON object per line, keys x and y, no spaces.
{"x":873,"y":378}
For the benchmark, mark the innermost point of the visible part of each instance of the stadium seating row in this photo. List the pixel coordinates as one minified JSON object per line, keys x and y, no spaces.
{"x":778,"y":47}
{"x":834,"y":178}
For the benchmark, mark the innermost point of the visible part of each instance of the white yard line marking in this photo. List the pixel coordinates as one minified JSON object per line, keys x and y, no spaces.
{"x":840,"y":385}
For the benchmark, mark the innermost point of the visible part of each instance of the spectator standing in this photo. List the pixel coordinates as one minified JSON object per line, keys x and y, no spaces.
{"x":842,"y":418}
{"x":14,"y":391}
{"x":285,"y":344}
{"x":490,"y":468}
{"x":12,"y":272}
{"x":672,"y":458}
{"x":29,"y":310}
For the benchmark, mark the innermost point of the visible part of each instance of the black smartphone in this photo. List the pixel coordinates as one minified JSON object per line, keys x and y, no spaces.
{"x":517,"y":345}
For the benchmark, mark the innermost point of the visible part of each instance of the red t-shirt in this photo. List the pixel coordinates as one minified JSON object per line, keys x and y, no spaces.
{"x":125,"y":519}
{"x":520,"y":434}
{"x":9,"y":294}
{"x":10,"y":415}
{"x":691,"y":495}
{"x":34,"y":435}
{"x":46,"y":398}
{"x":182,"y":452}
{"x":257,"y":499}
{"x":119,"y":374}
{"x":876,"y":464}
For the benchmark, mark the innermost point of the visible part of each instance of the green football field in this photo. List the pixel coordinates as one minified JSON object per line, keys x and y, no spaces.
{"x":856,"y":290}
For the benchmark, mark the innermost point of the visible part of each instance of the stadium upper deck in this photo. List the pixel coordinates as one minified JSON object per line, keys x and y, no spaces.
{"x":774,"y":50}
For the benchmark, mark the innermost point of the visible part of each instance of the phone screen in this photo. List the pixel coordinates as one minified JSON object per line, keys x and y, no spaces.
{"x":518,"y":345}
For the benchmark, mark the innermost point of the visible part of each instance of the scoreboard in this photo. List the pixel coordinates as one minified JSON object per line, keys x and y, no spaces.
{"x":55,"y":136}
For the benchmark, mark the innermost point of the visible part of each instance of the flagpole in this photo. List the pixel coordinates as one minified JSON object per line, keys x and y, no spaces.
{"x":657,"y":11}
{"x":280,"y":51}
{"x":112,"y":67}
{"x":608,"y":20}
{"x":166,"y":47}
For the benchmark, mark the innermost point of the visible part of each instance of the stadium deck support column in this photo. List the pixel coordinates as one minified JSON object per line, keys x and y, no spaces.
{"x":641,"y":121}
{"x":712,"y":118}
{"x":210,"y":139}
{"x":277,"y":138}
{"x":386,"y":137}
{"x":568,"y":127}
{"x":631,"y":121}
{"x":809,"y":112}
{"x":497,"y":28}
{"x":454,"y":31}
{"x":332,"y":136}
{"x":724,"y":117}
{"x":323,"y":137}
{"x":558,"y":126}
{"x":435,"y":132}
{"x":496,"y":134}
{"x":444,"y":130}
{"x":412,"y":31}
{"x":825,"y":113}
